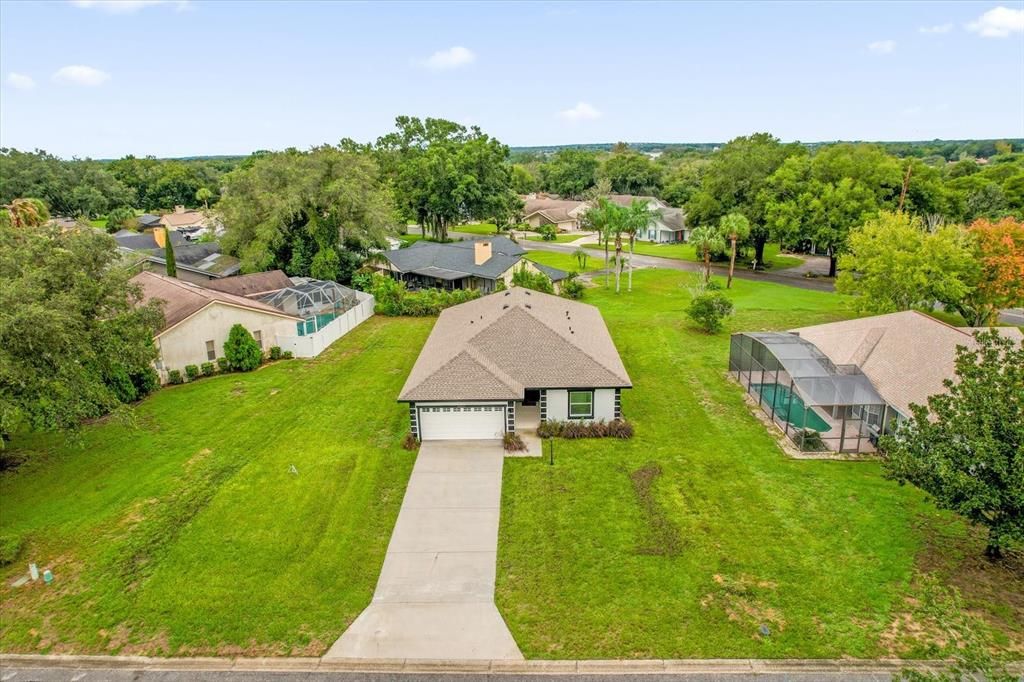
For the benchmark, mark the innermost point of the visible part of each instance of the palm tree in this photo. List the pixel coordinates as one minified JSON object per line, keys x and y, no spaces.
{"x":707,"y":239}
{"x":735,"y":226}
{"x":639,"y":217}
{"x":600,"y":218}
{"x":27,"y":212}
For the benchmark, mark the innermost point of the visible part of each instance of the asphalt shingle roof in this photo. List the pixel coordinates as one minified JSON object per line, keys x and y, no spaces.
{"x":497,"y":346}
{"x":457,"y":257}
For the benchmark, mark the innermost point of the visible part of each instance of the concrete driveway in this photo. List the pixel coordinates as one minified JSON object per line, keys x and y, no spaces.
{"x":435,"y":595}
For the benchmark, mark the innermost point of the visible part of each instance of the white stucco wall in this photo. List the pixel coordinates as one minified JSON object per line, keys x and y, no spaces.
{"x":558,"y":404}
{"x":185,"y":344}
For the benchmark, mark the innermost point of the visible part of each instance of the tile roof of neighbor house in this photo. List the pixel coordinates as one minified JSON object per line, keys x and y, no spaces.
{"x":495,"y":347}
{"x":252,"y":284}
{"x":456,"y":259}
{"x":906,"y":355}
{"x":184,"y":219}
{"x":556,"y":210}
{"x":183,"y":299}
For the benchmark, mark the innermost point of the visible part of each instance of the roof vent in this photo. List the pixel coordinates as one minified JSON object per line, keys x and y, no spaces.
{"x":504,"y":306}
{"x":527,"y":306}
{"x":507,"y":293}
{"x":527,"y":291}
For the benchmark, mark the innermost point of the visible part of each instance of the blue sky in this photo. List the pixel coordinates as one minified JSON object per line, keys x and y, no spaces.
{"x":186,"y":78}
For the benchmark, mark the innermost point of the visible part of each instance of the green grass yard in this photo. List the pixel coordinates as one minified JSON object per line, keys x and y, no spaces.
{"x":776,"y":260}
{"x":565,"y":261}
{"x":190,"y":535}
{"x":681,"y":542}
{"x":487,"y":229}
{"x":559,"y":238}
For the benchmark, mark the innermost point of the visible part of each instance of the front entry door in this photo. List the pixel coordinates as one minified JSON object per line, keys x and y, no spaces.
{"x":531,"y":397}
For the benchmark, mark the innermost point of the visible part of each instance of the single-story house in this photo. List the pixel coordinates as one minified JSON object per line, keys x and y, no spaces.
{"x":469,"y":264}
{"x":850,"y":381}
{"x":197,"y":321}
{"x":567,"y":216}
{"x":564,"y":214}
{"x":148,"y":221}
{"x":512,"y":359}
{"x":182,"y":219}
{"x":198,"y":262}
{"x":253,"y":284}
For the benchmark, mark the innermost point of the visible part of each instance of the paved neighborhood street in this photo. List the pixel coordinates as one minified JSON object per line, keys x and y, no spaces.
{"x":435,"y":595}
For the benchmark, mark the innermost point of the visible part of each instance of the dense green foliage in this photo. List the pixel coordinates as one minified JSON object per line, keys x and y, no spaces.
{"x":966,"y":447}
{"x":241,"y":350}
{"x":84,"y":187}
{"x":291,"y":210}
{"x":443,"y":174}
{"x":74,"y":343}
{"x":709,"y":310}
{"x":529,"y":279}
{"x":393,"y":299}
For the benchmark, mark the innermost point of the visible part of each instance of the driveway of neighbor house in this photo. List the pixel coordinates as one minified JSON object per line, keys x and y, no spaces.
{"x":435,"y":595}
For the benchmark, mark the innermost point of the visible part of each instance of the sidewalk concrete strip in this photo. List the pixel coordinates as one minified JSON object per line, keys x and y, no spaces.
{"x":435,"y":595}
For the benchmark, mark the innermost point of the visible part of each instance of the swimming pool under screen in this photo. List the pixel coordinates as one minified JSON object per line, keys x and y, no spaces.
{"x":790,"y":407}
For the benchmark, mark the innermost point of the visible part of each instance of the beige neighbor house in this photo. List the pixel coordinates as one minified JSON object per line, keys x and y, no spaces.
{"x":850,"y":381}
{"x":183,"y":219}
{"x":567,"y":216}
{"x":509,"y":361}
{"x":197,"y":321}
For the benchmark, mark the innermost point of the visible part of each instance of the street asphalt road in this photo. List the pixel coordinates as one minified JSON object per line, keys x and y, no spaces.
{"x":101,"y":675}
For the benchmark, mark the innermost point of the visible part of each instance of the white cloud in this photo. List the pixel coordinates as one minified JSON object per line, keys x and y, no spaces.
{"x":938,"y":28}
{"x":127,"y":6}
{"x":78,"y":74}
{"x":882,"y":46}
{"x":998,"y":22}
{"x":581,"y":112}
{"x":452,"y":58}
{"x":20,"y":81}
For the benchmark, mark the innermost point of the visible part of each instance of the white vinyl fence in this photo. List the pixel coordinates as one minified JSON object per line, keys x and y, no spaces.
{"x":311,"y":345}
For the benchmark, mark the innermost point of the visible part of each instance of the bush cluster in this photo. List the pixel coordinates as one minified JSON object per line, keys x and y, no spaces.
{"x":275,"y":352}
{"x":207,"y":368}
{"x":10,"y":548}
{"x":513,"y":443}
{"x":192,"y":372}
{"x":394,"y":299}
{"x":617,"y":428}
{"x":548,"y":233}
{"x":241,"y":350}
{"x":410,"y":442}
{"x":537,"y":281}
{"x":174,"y":377}
{"x":709,"y":309}
{"x":572,"y":287}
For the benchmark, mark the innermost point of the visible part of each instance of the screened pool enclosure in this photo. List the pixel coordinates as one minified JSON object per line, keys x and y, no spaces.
{"x":316,"y":301}
{"x":819,"y":405}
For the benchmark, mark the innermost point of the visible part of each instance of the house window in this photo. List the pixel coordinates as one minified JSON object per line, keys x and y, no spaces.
{"x":258,"y":335}
{"x":211,"y":351}
{"x":581,"y":404}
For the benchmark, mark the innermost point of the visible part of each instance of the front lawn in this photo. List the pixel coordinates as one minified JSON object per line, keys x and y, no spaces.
{"x":684,"y":251}
{"x":487,"y":229}
{"x":565,"y":261}
{"x":687,"y":539}
{"x":247,"y":514}
{"x":559,"y":238}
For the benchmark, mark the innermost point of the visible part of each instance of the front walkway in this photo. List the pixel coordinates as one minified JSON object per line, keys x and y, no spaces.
{"x":435,"y":594}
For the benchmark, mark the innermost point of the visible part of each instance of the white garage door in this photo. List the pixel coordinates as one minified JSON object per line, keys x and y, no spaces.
{"x":455,"y":422}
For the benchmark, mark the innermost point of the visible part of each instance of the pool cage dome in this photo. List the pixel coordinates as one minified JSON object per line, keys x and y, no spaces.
{"x":818,"y":404}
{"x":316,"y":301}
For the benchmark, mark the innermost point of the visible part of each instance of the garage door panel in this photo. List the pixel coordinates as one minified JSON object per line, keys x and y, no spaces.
{"x":458,"y":422}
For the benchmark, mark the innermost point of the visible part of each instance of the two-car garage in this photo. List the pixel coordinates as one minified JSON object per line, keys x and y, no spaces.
{"x":461,"y":421}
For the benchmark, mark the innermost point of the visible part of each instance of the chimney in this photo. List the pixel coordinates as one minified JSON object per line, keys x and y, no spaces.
{"x":481,"y":252}
{"x":179,"y":208}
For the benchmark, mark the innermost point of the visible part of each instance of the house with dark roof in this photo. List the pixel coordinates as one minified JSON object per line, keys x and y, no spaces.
{"x":470,"y":264}
{"x":197,"y":262}
{"x":509,"y":361}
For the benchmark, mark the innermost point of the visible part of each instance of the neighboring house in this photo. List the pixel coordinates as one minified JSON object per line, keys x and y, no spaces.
{"x":470,"y":264}
{"x":148,"y":221}
{"x":564,"y":214}
{"x":567,"y":216}
{"x":252,"y":284}
{"x":850,"y":381}
{"x":195,"y":262}
{"x":197,"y":321}
{"x":510,"y":359}
{"x":182,"y":219}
